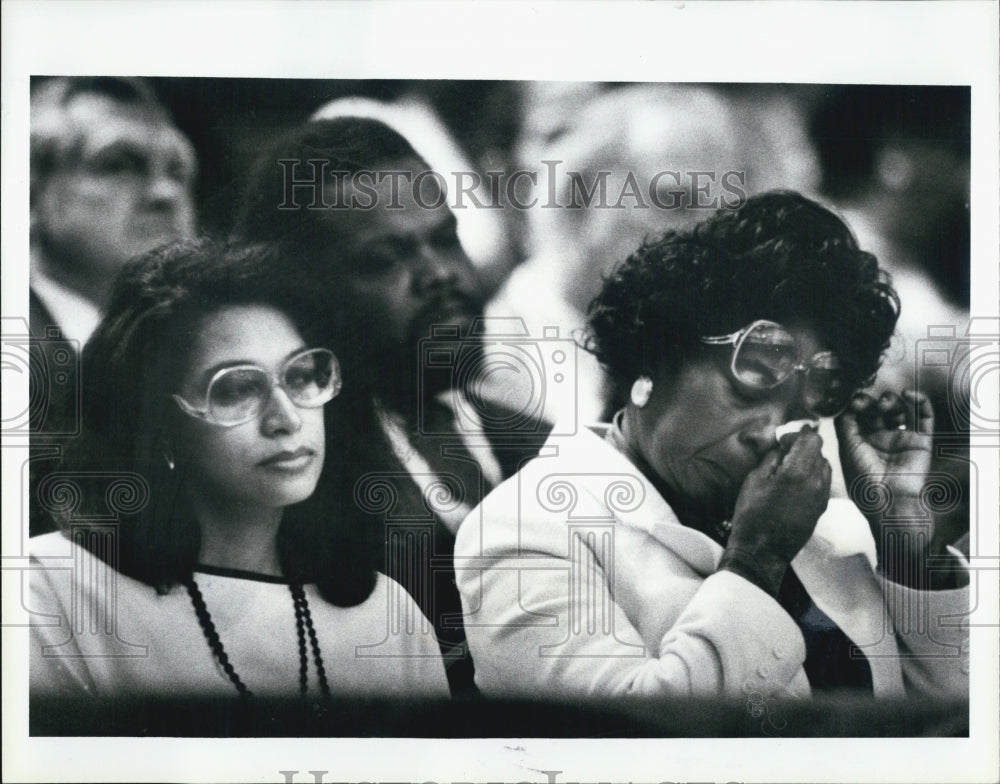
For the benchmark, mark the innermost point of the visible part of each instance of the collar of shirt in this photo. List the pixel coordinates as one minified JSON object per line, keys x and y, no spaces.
{"x":76,"y":316}
{"x":437,"y":493}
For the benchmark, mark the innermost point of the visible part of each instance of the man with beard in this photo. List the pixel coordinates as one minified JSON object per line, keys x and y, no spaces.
{"x":360,"y":213}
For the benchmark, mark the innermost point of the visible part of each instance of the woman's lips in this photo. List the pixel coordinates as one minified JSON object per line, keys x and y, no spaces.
{"x":289,"y":460}
{"x":729,"y":475}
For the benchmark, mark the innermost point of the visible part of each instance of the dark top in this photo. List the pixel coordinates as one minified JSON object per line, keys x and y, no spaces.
{"x":419,"y":548}
{"x":54,"y":408}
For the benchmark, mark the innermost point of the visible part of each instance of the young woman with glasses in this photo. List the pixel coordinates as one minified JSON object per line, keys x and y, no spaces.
{"x":210,"y":544}
{"x":691,"y":547}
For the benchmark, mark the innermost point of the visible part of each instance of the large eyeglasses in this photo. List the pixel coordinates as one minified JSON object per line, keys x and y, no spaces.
{"x":765,"y":355}
{"x":238,"y":394}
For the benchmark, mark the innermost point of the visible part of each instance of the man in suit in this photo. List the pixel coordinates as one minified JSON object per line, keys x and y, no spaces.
{"x":358,"y":210}
{"x":111,"y":177}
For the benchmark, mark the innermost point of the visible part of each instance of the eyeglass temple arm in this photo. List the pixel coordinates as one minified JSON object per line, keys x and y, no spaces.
{"x":722,"y":340}
{"x":187,"y":408}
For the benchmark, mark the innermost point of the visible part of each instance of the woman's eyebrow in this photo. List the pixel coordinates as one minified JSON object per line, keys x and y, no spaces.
{"x":206,"y":375}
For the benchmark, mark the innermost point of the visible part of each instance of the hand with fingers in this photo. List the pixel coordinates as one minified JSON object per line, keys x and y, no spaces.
{"x":887,"y":442}
{"x":777,"y":509}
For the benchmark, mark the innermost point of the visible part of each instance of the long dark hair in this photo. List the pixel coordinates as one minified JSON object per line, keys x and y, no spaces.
{"x":129,"y":368}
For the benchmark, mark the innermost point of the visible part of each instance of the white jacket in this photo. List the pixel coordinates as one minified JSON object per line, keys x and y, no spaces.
{"x":578,"y":579}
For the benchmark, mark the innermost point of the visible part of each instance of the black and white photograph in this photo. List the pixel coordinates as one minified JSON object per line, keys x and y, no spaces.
{"x":482,"y":422}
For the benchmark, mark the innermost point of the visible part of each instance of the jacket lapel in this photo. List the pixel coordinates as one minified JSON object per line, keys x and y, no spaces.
{"x":837,"y":568}
{"x":580,"y":454}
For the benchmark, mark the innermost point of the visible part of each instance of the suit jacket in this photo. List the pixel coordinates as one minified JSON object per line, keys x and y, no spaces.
{"x":419,"y":547}
{"x":54,"y":419}
{"x":577,"y":578}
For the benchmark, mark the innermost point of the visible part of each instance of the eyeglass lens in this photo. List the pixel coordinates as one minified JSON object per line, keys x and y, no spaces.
{"x":240,"y":393}
{"x":765,"y":356}
{"x":825,"y":391}
{"x":768,"y":354}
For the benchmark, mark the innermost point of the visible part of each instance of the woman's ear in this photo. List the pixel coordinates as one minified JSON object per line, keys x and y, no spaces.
{"x":167,"y":441}
{"x":166,"y":448}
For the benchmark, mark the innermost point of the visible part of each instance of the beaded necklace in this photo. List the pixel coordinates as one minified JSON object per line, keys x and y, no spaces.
{"x":303,"y":626}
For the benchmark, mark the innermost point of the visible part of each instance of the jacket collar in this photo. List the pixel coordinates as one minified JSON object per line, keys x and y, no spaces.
{"x":591,"y":457}
{"x":840,"y":532}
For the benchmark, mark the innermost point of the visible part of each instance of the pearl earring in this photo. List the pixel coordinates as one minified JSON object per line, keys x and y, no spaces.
{"x":641,"y":390}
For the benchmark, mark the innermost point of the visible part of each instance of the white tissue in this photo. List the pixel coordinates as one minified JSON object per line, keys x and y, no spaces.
{"x":792,"y":427}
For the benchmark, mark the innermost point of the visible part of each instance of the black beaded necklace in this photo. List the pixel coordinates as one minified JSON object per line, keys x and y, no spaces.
{"x":303,"y":626}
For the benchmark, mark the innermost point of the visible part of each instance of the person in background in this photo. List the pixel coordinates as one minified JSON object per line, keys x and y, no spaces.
{"x":111,"y":178}
{"x":481,"y":231}
{"x":362,"y":215}
{"x":691,"y":547}
{"x":212,"y":414}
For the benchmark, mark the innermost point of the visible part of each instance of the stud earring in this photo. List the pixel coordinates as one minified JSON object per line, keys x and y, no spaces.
{"x":641,"y":390}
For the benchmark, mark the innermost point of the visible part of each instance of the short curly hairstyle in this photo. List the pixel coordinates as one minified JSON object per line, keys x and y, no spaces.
{"x":780,"y":256}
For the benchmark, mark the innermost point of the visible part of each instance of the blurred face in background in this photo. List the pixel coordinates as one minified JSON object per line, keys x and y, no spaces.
{"x":669,"y":157}
{"x":124,"y":185}
{"x":401,"y":262}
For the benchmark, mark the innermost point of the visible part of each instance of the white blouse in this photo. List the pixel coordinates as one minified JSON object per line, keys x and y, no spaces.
{"x":96,"y":631}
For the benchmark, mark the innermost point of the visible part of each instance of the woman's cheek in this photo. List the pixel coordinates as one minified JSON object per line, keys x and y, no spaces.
{"x":220,"y":457}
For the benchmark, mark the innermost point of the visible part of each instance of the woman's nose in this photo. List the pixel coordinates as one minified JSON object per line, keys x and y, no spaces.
{"x":281,"y":415}
{"x":760,"y":433}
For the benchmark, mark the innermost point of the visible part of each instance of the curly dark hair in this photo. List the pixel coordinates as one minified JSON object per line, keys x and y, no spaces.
{"x":780,"y":256}
{"x":129,"y":367}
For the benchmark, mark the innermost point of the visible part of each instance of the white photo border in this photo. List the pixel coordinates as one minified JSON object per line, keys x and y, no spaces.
{"x":944,"y":43}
